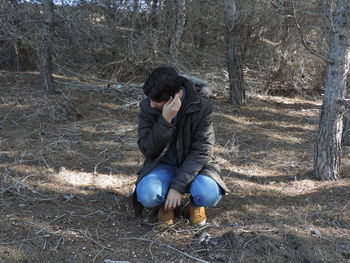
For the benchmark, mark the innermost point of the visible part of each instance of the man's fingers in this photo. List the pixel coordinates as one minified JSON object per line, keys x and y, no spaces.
{"x":177,"y":97}
{"x":173,"y":100}
{"x":172,"y":202}
{"x":169,"y":101}
{"x":166,"y":204}
{"x":169,"y":205}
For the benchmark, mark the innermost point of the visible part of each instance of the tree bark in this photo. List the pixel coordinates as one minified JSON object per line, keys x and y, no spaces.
{"x":152,"y":6}
{"x":237,"y":89}
{"x":135,"y":15}
{"x":180,"y":23}
{"x":45,"y":58}
{"x":3,"y":5}
{"x":327,"y":20}
{"x":329,"y":136}
{"x":346,"y":122}
{"x":154,"y":13}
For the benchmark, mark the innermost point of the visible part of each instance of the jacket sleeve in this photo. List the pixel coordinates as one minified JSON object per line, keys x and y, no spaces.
{"x":153,"y":133}
{"x":201,"y":153}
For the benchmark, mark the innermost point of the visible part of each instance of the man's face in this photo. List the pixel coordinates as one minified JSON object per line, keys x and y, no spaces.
{"x":157,"y":105}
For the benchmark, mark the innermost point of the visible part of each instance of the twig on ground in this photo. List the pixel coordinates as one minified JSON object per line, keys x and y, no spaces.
{"x":18,"y":125}
{"x":168,"y":246}
{"x":63,"y":141}
{"x":195,"y":230}
{"x":103,"y":151}
{"x":96,"y":166}
{"x":93,"y":261}
{"x":257,"y":230}
{"x":5,"y":118}
{"x":42,"y":157}
{"x":93,"y":213}
{"x":157,"y":238}
{"x":22,"y":241}
{"x":5,"y":100}
{"x":116,"y":200}
{"x":58,"y":243}
{"x":98,"y":238}
{"x":57,"y":218}
{"x":104,"y":110}
{"x":346,"y":206}
{"x":5,"y":174}
{"x":250,"y":240}
{"x":44,"y":246}
{"x":97,"y":243}
{"x":18,"y":184}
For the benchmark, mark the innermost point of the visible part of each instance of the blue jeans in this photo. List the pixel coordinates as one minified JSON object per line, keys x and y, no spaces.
{"x":153,"y":188}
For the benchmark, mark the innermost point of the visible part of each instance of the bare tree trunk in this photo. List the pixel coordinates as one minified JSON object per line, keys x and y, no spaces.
{"x":237,"y":89}
{"x":154,"y":13}
{"x":180,"y":23}
{"x":3,"y":5}
{"x":135,"y":15}
{"x":346,"y":122}
{"x":327,"y":20}
{"x":328,"y":139}
{"x":45,"y":58}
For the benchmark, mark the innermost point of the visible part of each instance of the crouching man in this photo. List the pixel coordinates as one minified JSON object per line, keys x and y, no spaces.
{"x":176,"y":136}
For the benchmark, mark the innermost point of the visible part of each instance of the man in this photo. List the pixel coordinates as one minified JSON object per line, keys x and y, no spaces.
{"x":176,"y":136}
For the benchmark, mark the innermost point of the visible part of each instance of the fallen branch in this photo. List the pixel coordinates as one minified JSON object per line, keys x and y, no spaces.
{"x":97,"y":243}
{"x":158,"y":237}
{"x":5,"y":118}
{"x":96,"y":166}
{"x":23,"y":240}
{"x":168,"y":246}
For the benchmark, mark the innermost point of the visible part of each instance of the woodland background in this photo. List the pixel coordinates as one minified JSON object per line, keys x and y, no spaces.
{"x":68,"y":160}
{"x":114,"y":40}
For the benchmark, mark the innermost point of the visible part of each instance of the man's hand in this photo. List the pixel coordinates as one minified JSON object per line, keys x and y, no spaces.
{"x":173,"y":199}
{"x":171,"y":107}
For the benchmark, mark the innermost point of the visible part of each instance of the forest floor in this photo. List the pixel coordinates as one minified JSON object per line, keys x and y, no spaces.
{"x":67,"y":168}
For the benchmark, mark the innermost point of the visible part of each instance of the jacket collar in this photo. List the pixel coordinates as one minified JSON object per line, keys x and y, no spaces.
{"x":192,"y":99}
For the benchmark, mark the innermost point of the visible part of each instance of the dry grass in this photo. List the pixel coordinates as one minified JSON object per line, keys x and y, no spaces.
{"x":65,"y":182}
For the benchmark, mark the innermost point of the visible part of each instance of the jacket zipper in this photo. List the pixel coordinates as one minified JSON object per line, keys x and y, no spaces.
{"x":177,"y":141}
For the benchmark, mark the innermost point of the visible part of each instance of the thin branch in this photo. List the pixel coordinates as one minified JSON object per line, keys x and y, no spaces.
{"x":117,"y":84}
{"x":5,"y":118}
{"x":168,"y":246}
{"x":96,"y":166}
{"x":22,"y":241}
{"x":97,"y":243}
{"x":310,"y":49}
{"x":42,"y":157}
{"x":93,"y":261}
{"x":159,"y":236}
{"x":344,"y":102}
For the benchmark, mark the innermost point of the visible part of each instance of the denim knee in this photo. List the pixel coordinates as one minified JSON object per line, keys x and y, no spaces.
{"x":150,"y":192}
{"x":153,"y":188}
{"x":205,"y":191}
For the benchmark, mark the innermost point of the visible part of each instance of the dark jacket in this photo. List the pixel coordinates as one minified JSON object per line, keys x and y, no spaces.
{"x":195,"y":141}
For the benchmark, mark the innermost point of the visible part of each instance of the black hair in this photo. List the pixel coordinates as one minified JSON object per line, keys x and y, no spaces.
{"x":162,"y":83}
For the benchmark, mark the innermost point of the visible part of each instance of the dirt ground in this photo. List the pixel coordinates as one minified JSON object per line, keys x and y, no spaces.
{"x":68,"y":165}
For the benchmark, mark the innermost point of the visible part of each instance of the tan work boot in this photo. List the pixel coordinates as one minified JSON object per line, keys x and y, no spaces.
{"x":166,"y":216}
{"x":197,"y":215}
